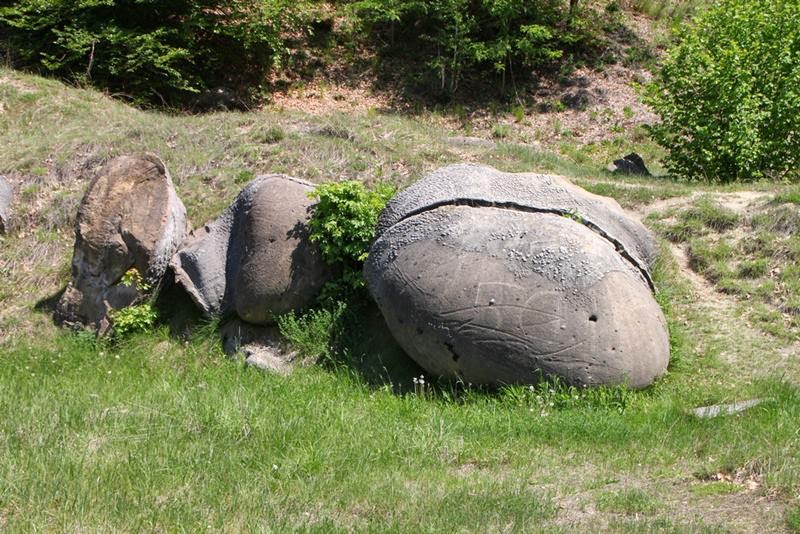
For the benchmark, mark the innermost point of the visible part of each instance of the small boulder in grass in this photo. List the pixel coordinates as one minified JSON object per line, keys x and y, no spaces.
{"x":495,"y":278}
{"x":6,"y":196}
{"x":632,"y":164}
{"x":130,"y":218}
{"x":255,"y":260}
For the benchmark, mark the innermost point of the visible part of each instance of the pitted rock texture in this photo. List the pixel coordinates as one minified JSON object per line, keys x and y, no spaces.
{"x":477,"y":185}
{"x":6,"y":196}
{"x":255,"y":259}
{"x":498,"y":294}
{"x":130,"y":217}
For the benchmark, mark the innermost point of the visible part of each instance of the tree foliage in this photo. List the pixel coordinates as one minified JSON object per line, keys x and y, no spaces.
{"x":458,"y":38}
{"x":157,"y":50}
{"x":729,"y":93}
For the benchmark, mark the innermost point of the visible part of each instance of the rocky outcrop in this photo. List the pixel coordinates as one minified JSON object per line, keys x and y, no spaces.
{"x":255,"y":259}
{"x":6,"y":196}
{"x":497,"y":278}
{"x":130,"y":217}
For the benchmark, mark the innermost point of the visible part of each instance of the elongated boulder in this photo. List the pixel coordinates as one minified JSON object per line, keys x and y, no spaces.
{"x":497,"y":278}
{"x":5,"y":204}
{"x":255,"y":259}
{"x":130,"y":217}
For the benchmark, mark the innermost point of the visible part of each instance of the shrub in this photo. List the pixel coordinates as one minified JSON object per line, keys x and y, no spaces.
{"x":459,"y":38}
{"x":728,"y":95}
{"x":138,"y":317}
{"x":343,"y":225}
{"x":153,"y":50}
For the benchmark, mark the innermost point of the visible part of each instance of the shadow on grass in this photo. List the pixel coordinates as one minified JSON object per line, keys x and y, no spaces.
{"x":48,"y":304}
{"x":363,"y":344}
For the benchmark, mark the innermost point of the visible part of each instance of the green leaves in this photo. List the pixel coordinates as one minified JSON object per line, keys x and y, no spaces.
{"x":133,"y":319}
{"x":343,"y":224}
{"x":727,"y":94}
{"x":154,"y":50}
{"x":459,"y":38}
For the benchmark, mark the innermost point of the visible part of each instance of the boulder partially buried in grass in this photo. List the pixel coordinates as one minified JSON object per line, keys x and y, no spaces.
{"x":495,"y":278}
{"x":129,"y":218}
{"x":255,"y":260}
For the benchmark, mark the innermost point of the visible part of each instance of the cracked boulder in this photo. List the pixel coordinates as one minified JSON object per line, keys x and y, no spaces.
{"x":130,"y":217}
{"x":255,"y":260}
{"x":6,"y":195}
{"x":496,"y":278}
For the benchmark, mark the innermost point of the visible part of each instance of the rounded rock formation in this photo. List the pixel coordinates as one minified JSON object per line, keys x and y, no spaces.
{"x":255,"y":259}
{"x":130,"y":217}
{"x":495,"y":278}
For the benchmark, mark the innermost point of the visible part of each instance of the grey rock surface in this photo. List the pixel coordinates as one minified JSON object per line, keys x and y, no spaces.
{"x":716,"y":410}
{"x":478,"y":185}
{"x":493,"y":292}
{"x":461,"y":140}
{"x":6,"y":196}
{"x":255,"y":259}
{"x":261,"y":346}
{"x":129,"y":217}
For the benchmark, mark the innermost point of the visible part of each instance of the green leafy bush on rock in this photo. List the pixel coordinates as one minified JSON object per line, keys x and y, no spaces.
{"x":343,"y":224}
{"x":141,"y":315}
{"x":729,"y":94}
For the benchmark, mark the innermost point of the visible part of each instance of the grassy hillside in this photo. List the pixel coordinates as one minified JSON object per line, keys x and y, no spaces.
{"x":163,"y":432}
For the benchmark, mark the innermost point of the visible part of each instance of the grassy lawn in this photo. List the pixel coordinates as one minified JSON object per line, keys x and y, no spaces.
{"x":164,"y":432}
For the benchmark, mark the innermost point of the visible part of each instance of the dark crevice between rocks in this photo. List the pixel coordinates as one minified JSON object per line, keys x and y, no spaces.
{"x":477,"y":203}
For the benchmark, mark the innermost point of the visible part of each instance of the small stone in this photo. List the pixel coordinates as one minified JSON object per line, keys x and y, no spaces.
{"x":716,"y":410}
{"x":632,"y":164}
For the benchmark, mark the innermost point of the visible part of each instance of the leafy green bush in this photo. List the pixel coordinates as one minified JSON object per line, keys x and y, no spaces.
{"x":156,"y":50}
{"x":729,"y":94}
{"x":343,"y":224}
{"x":138,"y":317}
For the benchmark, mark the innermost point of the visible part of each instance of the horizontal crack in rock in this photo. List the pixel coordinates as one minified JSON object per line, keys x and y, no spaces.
{"x":580,"y":219}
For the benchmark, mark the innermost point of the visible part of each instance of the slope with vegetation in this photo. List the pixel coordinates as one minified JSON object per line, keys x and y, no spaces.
{"x":161,"y":430}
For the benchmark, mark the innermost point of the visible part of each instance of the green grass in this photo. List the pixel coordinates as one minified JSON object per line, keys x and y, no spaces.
{"x":715,"y":488}
{"x":164,"y":432}
{"x":793,"y":520}
{"x":155,"y":434}
{"x":675,"y":11}
{"x":753,"y":257}
{"x":632,"y":195}
{"x":630,"y":501}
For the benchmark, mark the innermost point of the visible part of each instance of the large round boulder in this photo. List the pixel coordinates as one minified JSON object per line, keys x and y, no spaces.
{"x":255,"y":260}
{"x":130,"y":217}
{"x":495,"y":278}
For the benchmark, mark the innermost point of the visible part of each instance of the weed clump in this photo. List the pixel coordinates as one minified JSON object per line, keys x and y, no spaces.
{"x":138,"y":317}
